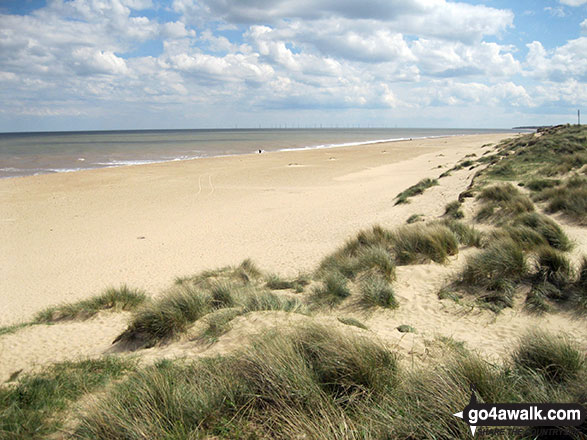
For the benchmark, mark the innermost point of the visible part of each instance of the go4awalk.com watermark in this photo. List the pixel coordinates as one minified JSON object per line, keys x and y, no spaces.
{"x":521,"y":414}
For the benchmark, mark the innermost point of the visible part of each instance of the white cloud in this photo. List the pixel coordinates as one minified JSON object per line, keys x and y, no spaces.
{"x":573,"y":2}
{"x":261,"y":55}
{"x":438,"y":18}
{"x":89,"y":61}
{"x":584,"y":26}
{"x":556,"y":12}
{"x":176,"y":29}
{"x":455,"y":93}
{"x":232,"y":67}
{"x":559,"y":65}
{"x":438,"y":58}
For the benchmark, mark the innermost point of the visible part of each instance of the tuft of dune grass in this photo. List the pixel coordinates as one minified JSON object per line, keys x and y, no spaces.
{"x":275,"y":282}
{"x":332,"y":290}
{"x":500,"y":202}
{"x":553,"y":356}
{"x":367,"y":252}
{"x":527,"y":237}
{"x":171,"y":315}
{"x":377,"y":292}
{"x":245,"y":273}
{"x":414,"y":218}
{"x":553,"y":267}
{"x":465,"y":234}
{"x":546,"y":227}
{"x":37,"y":405}
{"x":162,"y":319}
{"x":415,"y":190}
{"x":539,"y":184}
{"x":352,"y":321}
{"x":415,"y":244}
{"x":453,"y":210}
{"x":312,"y":382}
{"x":261,"y":300}
{"x":378,"y":251}
{"x":320,"y":382}
{"x":117,"y":299}
{"x":494,"y":273}
{"x":570,"y":198}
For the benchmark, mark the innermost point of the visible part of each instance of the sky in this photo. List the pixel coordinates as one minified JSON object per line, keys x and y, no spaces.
{"x":147,"y":64}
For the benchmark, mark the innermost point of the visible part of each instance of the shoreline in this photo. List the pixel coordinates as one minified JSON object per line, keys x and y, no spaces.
{"x":70,"y":235}
{"x":144,"y":161}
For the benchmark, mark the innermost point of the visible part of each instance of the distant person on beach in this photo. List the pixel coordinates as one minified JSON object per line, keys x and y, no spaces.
{"x":260,"y":151}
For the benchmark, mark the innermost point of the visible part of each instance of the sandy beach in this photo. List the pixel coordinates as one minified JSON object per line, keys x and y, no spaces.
{"x":68,"y":236}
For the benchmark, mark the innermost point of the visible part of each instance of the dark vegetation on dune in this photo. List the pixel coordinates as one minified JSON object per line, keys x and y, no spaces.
{"x":310,"y":381}
{"x":527,"y":248}
{"x":415,"y":190}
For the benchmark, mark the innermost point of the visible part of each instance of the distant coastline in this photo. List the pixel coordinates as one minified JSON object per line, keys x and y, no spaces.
{"x":26,"y":154}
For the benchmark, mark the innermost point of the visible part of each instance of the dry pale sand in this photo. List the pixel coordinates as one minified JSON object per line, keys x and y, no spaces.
{"x":68,"y":236}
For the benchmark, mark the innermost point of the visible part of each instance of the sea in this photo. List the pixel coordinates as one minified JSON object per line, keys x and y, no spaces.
{"x":26,"y":154}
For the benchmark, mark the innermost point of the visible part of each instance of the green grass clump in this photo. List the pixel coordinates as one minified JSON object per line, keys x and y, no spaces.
{"x":320,"y":382}
{"x":494,"y":273}
{"x":218,"y":323}
{"x":221,"y":295}
{"x":368,"y":251}
{"x":466,"y":235}
{"x":503,"y":170}
{"x":538,"y":184}
{"x":417,"y":244}
{"x":261,"y":300}
{"x":314,"y":382}
{"x":537,"y":299}
{"x":121,"y":299}
{"x":352,"y":321}
{"x":166,"y":317}
{"x":570,"y":198}
{"x":501,"y":202}
{"x":36,"y":406}
{"x":161,"y":320}
{"x":453,"y":210}
{"x":377,"y":292}
{"x":275,"y":282}
{"x":414,"y":218}
{"x":554,"y":279}
{"x":546,"y":227}
{"x":363,"y":259}
{"x":415,"y":190}
{"x":554,"y":357}
{"x":499,"y":193}
{"x":376,"y":259}
{"x":553,"y":267}
{"x":526,"y":237}
{"x":8,"y":329}
{"x":378,"y":251}
{"x":244,"y":274}
{"x":333,"y":289}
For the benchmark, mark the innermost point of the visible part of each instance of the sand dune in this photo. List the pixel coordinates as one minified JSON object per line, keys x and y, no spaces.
{"x":73,"y":235}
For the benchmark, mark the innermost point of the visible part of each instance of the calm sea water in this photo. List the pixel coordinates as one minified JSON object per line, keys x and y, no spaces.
{"x":24,"y":154}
